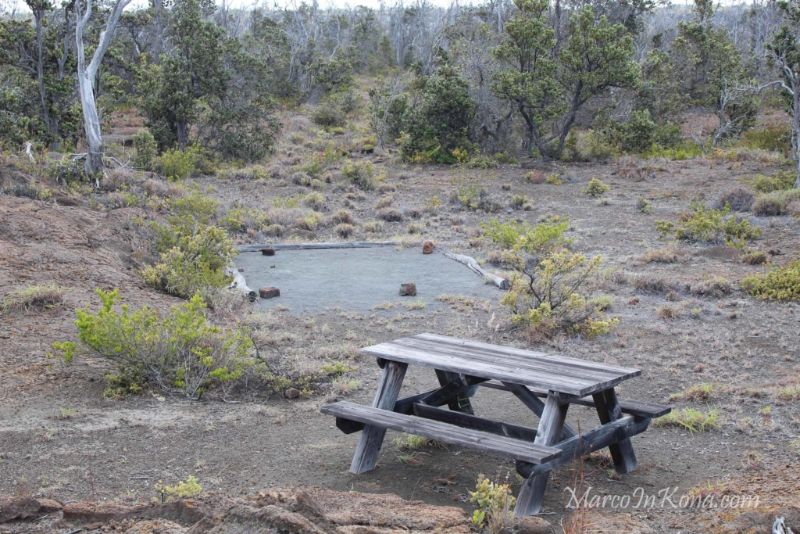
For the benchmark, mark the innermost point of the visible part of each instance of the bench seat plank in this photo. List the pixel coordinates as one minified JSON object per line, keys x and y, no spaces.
{"x":444,"y":432}
{"x":631,"y":407}
{"x":570,"y":376}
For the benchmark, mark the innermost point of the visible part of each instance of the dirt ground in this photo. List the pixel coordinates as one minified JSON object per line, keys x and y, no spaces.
{"x":61,"y":439}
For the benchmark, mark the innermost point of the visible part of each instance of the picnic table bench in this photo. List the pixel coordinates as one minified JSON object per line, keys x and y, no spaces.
{"x":546,"y":384}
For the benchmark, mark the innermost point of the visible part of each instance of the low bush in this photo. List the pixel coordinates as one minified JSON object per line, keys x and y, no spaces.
{"x":328,"y":116}
{"x":315,"y":201}
{"x":494,"y":505}
{"x":145,"y":150}
{"x":682,"y":151}
{"x":775,"y":203}
{"x":550,"y":285}
{"x":181,"y":351}
{"x":177,"y":164}
{"x":708,"y":225}
{"x":781,"y":283}
{"x":588,"y":146}
{"x":774,"y":138}
{"x":390,"y":215}
{"x":344,"y":230}
{"x":778,"y":182}
{"x":195,"y":262}
{"x":738,"y":199}
{"x":362,"y":175}
{"x":596,"y":188}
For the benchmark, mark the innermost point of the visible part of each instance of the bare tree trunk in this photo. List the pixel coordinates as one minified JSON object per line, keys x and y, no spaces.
{"x":87,"y":79}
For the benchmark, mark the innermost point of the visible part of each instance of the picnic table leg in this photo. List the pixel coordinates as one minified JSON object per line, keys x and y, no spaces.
{"x":551,"y":425}
{"x":371,"y":439}
{"x":535,"y":405}
{"x":609,"y":410}
{"x":461,"y":402}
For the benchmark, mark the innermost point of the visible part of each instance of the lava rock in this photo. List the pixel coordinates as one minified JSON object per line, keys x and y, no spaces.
{"x":408,"y":290}
{"x":427,"y":247}
{"x":269,"y":292}
{"x":268,"y":251}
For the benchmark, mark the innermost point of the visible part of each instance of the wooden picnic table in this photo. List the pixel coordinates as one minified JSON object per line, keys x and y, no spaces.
{"x":545,"y":383}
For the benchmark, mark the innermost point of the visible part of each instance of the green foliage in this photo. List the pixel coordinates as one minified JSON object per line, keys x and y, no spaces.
{"x":185,"y":489}
{"x":708,"y":225}
{"x":178,"y":164}
{"x":145,"y":150}
{"x":547,"y":293}
{"x":640,"y":132}
{"x":679,"y":152}
{"x":767,"y":184}
{"x":181,"y":351}
{"x":781,"y":283}
{"x":596,"y":188}
{"x":67,"y":171}
{"x":361,"y":175}
{"x":196,"y":261}
{"x":437,"y":123}
{"x":774,"y":138}
{"x":328,"y":116}
{"x":494,"y":503}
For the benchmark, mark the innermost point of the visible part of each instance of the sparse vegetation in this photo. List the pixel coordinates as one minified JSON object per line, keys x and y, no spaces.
{"x":708,"y":225}
{"x":780,"y":283}
{"x":596,"y":188}
{"x":32,"y":298}
{"x":494,"y":503}
{"x":691,"y":419}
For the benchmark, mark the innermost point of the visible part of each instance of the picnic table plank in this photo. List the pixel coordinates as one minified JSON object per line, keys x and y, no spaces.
{"x":445,"y":432}
{"x":558,"y":373}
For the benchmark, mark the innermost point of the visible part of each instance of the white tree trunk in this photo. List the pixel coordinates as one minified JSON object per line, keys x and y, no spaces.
{"x":87,"y":79}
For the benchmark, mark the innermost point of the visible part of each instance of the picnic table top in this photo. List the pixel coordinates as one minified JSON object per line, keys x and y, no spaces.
{"x":570,"y":376}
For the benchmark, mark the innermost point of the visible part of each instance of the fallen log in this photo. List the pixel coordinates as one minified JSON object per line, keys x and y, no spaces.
{"x":473,"y":265}
{"x":240,"y":283}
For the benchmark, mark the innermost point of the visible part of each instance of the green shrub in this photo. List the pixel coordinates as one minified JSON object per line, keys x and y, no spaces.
{"x":682,"y":151}
{"x":494,"y":505}
{"x":707,"y":225}
{"x":691,"y":419}
{"x":362,"y":175}
{"x":181,"y":351}
{"x":197,"y":261}
{"x":328,"y":115}
{"x":549,"y":287}
{"x":774,"y":138}
{"x":767,"y":184}
{"x":588,"y":146}
{"x":178,"y":164}
{"x":145,"y":150}
{"x":67,"y":171}
{"x":781,"y":283}
{"x":596,"y":188}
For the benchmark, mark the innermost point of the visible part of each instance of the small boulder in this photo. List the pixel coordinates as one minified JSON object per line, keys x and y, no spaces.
{"x":268,"y":251}
{"x":292,"y":393}
{"x":427,"y":247}
{"x":408,"y":290}
{"x":269,"y":292}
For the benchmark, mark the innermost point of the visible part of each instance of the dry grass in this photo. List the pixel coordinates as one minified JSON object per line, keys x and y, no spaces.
{"x":668,"y":254}
{"x":32,"y":298}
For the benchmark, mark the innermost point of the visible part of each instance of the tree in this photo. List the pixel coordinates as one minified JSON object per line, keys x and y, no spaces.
{"x":548,"y":81}
{"x":87,"y":78}
{"x":39,"y":8}
{"x":785,"y":48}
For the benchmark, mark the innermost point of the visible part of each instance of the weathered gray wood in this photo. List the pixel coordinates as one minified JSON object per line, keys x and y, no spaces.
{"x":551,"y":425}
{"x":444,"y":432}
{"x":474,"y":266}
{"x":315,"y":246}
{"x":477,"y":423}
{"x":460,"y":402}
{"x":631,"y":407}
{"x":369,"y":444}
{"x":535,"y":405}
{"x":239,"y":283}
{"x":550,"y":372}
{"x":609,"y":410}
{"x":591,"y":441}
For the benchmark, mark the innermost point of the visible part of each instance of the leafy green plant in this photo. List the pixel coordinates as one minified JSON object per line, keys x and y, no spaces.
{"x":187,"y":488}
{"x":179,"y":164}
{"x":197,"y":261}
{"x":768,"y":184}
{"x":180,"y":351}
{"x":494,"y":504}
{"x":780,"y":283}
{"x":596,"y":188}
{"x":361,"y":175}
{"x":708,"y":225}
{"x":145,"y":150}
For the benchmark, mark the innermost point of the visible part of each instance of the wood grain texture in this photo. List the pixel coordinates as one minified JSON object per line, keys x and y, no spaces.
{"x":551,"y":425}
{"x":536,"y":405}
{"x":608,"y":409}
{"x":445,"y":432}
{"x":369,"y":444}
{"x":544,"y":371}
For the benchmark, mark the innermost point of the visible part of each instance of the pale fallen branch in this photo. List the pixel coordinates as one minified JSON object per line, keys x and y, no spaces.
{"x":239,"y":283}
{"x":473,"y":265}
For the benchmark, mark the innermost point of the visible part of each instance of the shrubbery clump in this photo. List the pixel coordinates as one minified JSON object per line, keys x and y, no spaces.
{"x":781,"y":283}
{"x":180,"y":351}
{"x":178,"y":164}
{"x":708,"y":225}
{"x":549,"y":289}
{"x":145,"y":150}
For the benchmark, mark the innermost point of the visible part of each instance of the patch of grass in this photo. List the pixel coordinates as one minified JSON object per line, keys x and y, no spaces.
{"x":668,"y":254}
{"x":344,"y":230}
{"x":779,"y":182}
{"x":315,"y":201}
{"x":521,"y":202}
{"x":697,"y":392}
{"x":184,"y":489}
{"x":374,"y":227}
{"x":362,"y":175}
{"x":781,"y":283}
{"x":716,"y":287}
{"x":412,"y":442}
{"x":29,"y":298}
{"x":775,"y":203}
{"x":789,"y":393}
{"x":684,"y":151}
{"x":554,"y":179}
{"x":691,"y":419}
{"x":738,"y":199}
{"x":777,"y":138}
{"x":390,"y":215}
{"x":754,"y":257}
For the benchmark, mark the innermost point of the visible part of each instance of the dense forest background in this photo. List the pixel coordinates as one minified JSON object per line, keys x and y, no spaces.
{"x":570,"y":79}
